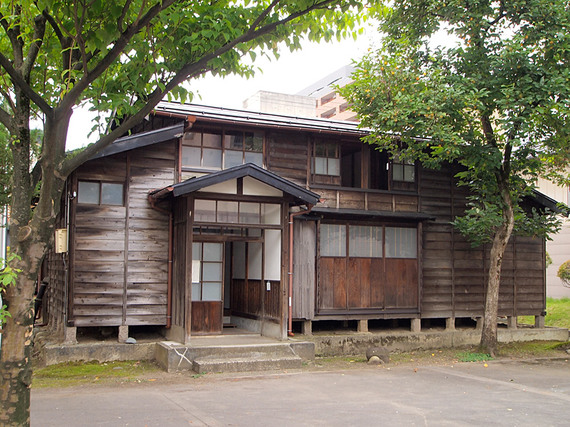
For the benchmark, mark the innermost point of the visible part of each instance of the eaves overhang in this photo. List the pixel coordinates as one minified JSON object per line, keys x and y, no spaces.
{"x":142,"y":139}
{"x":300,"y":194}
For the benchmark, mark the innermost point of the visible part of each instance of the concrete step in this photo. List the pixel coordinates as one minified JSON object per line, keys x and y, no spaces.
{"x":233,"y":358}
{"x":245,"y":363}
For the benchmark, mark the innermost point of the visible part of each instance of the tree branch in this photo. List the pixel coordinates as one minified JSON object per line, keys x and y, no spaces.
{"x":120,"y":21}
{"x":488,"y":130}
{"x":190,"y":70}
{"x":71,"y":97}
{"x":39,"y":32}
{"x":13,"y":33}
{"x":6,"y":120}
{"x":19,"y":81}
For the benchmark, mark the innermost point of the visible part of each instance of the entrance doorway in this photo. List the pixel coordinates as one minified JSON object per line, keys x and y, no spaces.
{"x":237,"y":282}
{"x":207,"y":287}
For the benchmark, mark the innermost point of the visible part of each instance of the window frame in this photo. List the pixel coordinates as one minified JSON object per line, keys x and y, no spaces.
{"x":332,"y":152}
{"x":100,"y":184}
{"x":247,"y":135}
{"x":347,"y":253}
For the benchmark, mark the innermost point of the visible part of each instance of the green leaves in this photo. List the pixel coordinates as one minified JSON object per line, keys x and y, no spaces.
{"x":495,"y":99}
{"x":8,"y":277}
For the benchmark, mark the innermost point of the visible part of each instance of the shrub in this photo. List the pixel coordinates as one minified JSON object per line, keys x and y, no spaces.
{"x":564,"y":273}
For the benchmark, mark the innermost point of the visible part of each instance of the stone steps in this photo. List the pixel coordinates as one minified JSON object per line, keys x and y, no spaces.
{"x":233,"y":358}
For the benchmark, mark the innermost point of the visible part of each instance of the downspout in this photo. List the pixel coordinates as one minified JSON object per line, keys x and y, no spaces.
{"x":152,"y":202}
{"x":291,"y":217}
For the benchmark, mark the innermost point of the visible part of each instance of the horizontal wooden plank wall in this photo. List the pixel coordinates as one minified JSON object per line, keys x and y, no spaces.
{"x":455,"y":274}
{"x":179,"y":267}
{"x":150,"y":168}
{"x":120,"y":258}
{"x":287,"y":155}
{"x":98,"y":269}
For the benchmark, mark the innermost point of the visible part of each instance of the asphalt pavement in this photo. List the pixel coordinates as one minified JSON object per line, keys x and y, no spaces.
{"x":524,"y":393}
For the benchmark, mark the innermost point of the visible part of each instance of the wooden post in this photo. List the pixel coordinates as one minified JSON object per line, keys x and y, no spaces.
{"x":307,"y":327}
{"x":450,"y":324}
{"x":512,"y":322}
{"x":415,"y":325}
{"x":363,"y":325}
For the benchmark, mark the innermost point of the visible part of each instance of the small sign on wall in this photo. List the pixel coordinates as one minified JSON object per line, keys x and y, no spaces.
{"x":60,"y":240}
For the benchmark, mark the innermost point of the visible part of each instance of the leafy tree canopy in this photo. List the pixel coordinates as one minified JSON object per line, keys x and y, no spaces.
{"x":496,"y":100}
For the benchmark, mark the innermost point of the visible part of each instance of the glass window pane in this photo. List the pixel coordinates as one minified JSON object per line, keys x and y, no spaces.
{"x":401,"y":242}
{"x":196,"y":251}
{"x":196,"y":292}
{"x":333,"y":167}
{"x":111,"y":194}
{"x":232,"y":158}
{"x":192,"y":138}
{"x":321,"y":165}
{"x":320,"y":150}
{"x":205,"y":210}
{"x":233,"y":140}
{"x":365,"y":241}
{"x":191,"y":156}
{"x":212,"y":292}
{"x":332,"y":238}
{"x":211,"y":272}
{"x":254,"y":141}
{"x":409,"y":173}
{"x":212,"y":140}
{"x":88,"y":192}
{"x":213,"y":252}
{"x":397,"y":172}
{"x":270,"y":213}
{"x":212,"y":158}
{"x":255,"y":158}
{"x":254,"y":260}
{"x":249,"y":213}
{"x":228,"y":212}
{"x":196,"y":270}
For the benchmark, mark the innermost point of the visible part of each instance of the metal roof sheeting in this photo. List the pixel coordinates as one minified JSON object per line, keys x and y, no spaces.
{"x":204,"y":113}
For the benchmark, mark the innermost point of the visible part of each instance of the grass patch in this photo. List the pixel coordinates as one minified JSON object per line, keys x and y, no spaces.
{"x":80,"y":373}
{"x":557,"y":313}
{"x":468,"y":356}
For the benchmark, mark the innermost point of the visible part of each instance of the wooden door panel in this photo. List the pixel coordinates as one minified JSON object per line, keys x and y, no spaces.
{"x":332,"y":283}
{"x":401,"y":283}
{"x":206,"y":317}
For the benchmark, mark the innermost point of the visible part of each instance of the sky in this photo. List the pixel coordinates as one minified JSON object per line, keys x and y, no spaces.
{"x":289,"y":74}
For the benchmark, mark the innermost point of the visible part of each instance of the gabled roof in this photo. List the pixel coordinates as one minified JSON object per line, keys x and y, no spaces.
{"x":204,"y":113}
{"x":302,"y":195}
{"x":142,"y":139}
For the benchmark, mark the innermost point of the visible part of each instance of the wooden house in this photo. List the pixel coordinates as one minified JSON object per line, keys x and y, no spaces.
{"x":205,"y":216}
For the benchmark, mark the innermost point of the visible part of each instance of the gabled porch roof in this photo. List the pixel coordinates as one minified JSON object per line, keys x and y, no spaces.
{"x":300,"y":194}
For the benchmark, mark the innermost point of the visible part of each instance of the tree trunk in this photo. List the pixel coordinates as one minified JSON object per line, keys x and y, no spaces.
{"x":500,"y":241}
{"x":16,"y":355}
{"x":31,"y":235}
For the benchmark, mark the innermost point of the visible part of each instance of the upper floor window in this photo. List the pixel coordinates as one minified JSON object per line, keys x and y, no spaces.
{"x":221,"y":151}
{"x":100,"y":193}
{"x":202,"y":150}
{"x":243,"y":147}
{"x":403,"y":171}
{"x":326,"y":159}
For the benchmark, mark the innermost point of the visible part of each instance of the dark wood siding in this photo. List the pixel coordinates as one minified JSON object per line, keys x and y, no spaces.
{"x":304,"y":235}
{"x":454,"y":274}
{"x":287,"y":156}
{"x":120,"y":253}
{"x":147,"y":263}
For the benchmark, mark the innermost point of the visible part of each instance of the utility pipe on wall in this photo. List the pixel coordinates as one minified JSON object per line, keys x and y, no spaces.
{"x":290,"y":316}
